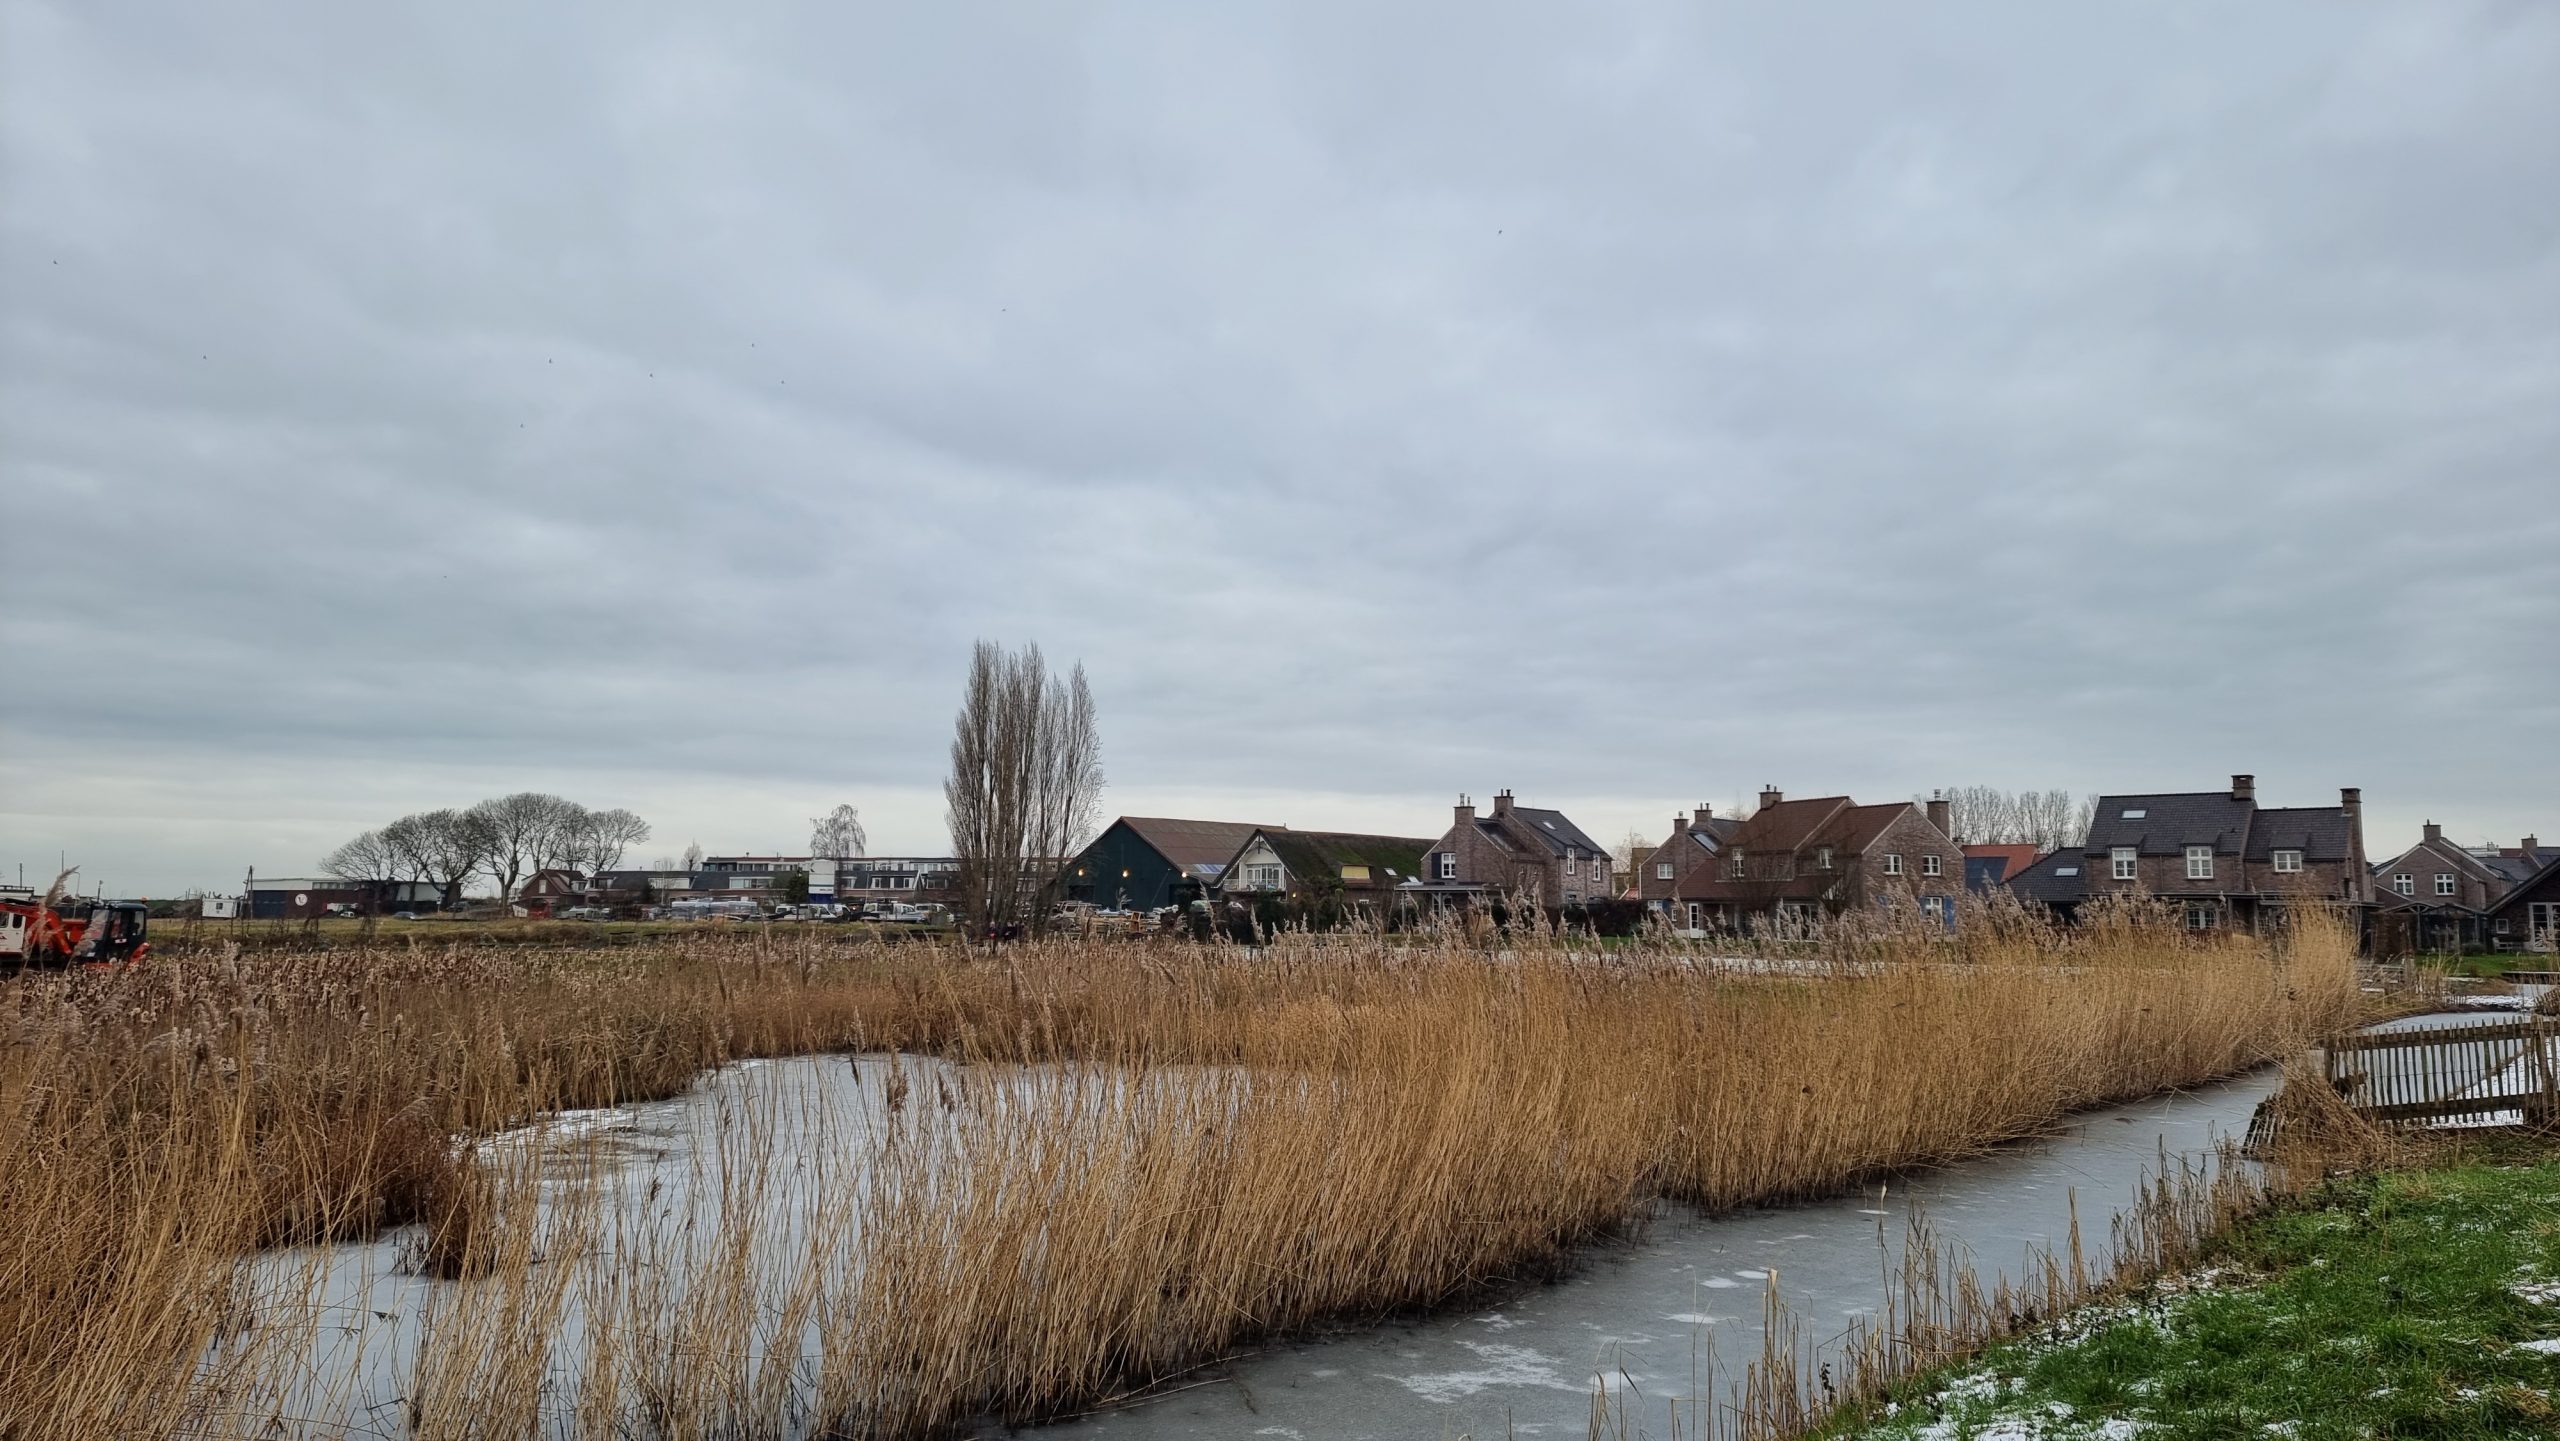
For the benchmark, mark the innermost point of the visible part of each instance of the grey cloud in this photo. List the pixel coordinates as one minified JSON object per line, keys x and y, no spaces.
{"x":1637,"y":401}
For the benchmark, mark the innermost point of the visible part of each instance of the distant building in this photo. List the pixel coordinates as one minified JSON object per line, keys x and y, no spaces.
{"x":848,"y":880}
{"x":297,"y":898}
{"x":2528,"y":916}
{"x":1140,"y":863}
{"x":1988,"y":867}
{"x":2441,"y":896}
{"x":1317,"y":868}
{"x":1824,"y":855}
{"x":1518,"y":850}
{"x":2221,"y":857}
{"x":1694,"y":837}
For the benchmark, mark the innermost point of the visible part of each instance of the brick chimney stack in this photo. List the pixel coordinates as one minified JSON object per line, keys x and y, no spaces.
{"x":2351,"y":800}
{"x":1770,"y":796}
{"x":1942,"y":814}
{"x":1679,"y":826}
{"x":1466,"y":812}
{"x":2244,"y":788}
{"x":2530,"y":845}
{"x":1704,"y":814}
{"x":1502,"y":801}
{"x":2433,"y":831}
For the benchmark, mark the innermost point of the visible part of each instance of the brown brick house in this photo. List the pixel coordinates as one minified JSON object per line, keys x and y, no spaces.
{"x":2438,"y":895}
{"x":1694,"y":837}
{"x":2228,"y":860}
{"x":1517,"y":850}
{"x":1823,"y":855}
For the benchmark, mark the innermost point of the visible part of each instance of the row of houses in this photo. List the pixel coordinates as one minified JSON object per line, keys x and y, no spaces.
{"x":2223,"y":858}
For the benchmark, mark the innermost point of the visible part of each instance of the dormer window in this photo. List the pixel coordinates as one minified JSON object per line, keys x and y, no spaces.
{"x":1822,"y":858}
{"x":2199,"y":863}
{"x":2288,"y":862}
{"x":2123,"y":864}
{"x":1733,"y":867}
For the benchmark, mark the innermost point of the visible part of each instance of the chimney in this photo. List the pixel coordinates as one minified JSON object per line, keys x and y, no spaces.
{"x":1679,"y":826}
{"x":1502,"y":801}
{"x":1942,"y":815}
{"x":1770,"y":796}
{"x":1466,"y":812}
{"x":2351,"y":800}
{"x":1705,"y":813}
{"x":2529,"y":845}
{"x":2244,"y":788}
{"x":2433,"y":831}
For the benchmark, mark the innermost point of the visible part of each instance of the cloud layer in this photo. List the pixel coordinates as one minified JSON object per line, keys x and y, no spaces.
{"x":1630,"y":405}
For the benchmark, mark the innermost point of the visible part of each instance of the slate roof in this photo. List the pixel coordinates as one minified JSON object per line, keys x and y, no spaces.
{"x":1190,"y":844}
{"x":1315,"y":856}
{"x":2060,"y":879}
{"x":2165,"y":825}
{"x":1556,"y":831}
{"x":1986,"y":866}
{"x":2321,"y":833}
{"x":2514,"y":869}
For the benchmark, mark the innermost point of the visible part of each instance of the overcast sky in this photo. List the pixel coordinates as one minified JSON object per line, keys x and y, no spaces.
{"x":1628,"y":404}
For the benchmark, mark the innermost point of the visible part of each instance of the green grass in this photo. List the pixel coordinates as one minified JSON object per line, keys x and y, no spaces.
{"x":2385,"y":1306}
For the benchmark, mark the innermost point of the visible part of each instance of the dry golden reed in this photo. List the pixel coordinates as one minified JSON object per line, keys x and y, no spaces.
{"x":1222,"y":1146}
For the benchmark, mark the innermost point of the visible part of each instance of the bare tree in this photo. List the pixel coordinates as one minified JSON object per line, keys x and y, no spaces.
{"x":693,"y":855}
{"x":525,"y":831}
{"x":451,"y":847}
{"x":2047,"y":820}
{"x":838,"y":834}
{"x":597,"y":840}
{"x":365,"y":862}
{"x":1025,"y":786}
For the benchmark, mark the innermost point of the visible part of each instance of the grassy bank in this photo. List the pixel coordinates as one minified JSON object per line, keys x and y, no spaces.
{"x":1229,"y":1147}
{"x":2415,"y":1302}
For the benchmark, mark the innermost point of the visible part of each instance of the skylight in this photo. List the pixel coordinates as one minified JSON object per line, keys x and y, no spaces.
{"x":2066,"y":870}
{"x":2135,"y":815}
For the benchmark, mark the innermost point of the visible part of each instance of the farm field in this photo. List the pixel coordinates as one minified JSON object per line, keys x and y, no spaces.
{"x":1065,"y":1171}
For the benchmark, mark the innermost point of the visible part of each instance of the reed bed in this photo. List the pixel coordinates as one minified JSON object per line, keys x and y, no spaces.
{"x":1119,"y":1161}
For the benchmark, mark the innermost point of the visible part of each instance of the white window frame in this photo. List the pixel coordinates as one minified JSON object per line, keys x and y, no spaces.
{"x":1822,"y":858}
{"x":1448,"y":865}
{"x":1572,"y":867}
{"x":1931,"y":865}
{"x":1662,"y":870}
{"x":1697,"y":916}
{"x":1893,"y":863}
{"x":2124,"y":863}
{"x":2446,"y":884}
{"x":2200,"y":917}
{"x":1734,"y":867}
{"x":2288,"y":862}
{"x":2404,"y":884}
{"x":2199,"y":863}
